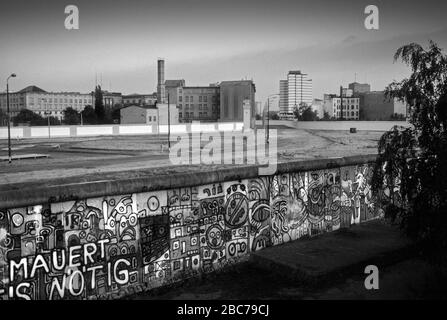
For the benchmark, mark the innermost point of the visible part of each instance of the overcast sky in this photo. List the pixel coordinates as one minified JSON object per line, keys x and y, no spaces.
{"x":209,"y":41}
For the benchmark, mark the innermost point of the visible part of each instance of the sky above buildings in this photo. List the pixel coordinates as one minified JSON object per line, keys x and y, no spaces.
{"x":209,"y":41}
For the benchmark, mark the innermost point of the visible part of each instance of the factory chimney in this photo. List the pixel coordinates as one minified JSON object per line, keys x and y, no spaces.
{"x":161,"y":90}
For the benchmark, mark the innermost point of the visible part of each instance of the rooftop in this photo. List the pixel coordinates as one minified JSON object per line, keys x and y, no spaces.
{"x":32,"y":89}
{"x":175,"y":83}
{"x":296,"y":72}
{"x":146,"y":106}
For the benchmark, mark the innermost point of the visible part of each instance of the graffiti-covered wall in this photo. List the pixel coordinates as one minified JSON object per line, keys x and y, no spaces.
{"x":110,"y":246}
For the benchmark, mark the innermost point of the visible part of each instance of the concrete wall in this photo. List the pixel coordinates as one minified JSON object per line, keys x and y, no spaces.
{"x":338,"y":125}
{"x":111,"y":238}
{"x":100,"y":130}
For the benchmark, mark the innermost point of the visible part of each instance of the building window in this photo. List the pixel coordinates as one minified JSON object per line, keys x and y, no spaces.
{"x":200,"y":98}
{"x":191,"y":98}
{"x":150,"y":119}
{"x":205,"y":99}
{"x":186,"y":98}
{"x":180,"y":114}
{"x":180,"y":98}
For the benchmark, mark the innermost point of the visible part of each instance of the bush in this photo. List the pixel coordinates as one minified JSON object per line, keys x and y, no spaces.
{"x":412,"y":161}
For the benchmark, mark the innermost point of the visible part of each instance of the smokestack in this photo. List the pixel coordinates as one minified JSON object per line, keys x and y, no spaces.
{"x":161,"y":91}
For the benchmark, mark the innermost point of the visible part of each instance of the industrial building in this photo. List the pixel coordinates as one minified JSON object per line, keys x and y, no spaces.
{"x":198,"y":103}
{"x":217,"y":102}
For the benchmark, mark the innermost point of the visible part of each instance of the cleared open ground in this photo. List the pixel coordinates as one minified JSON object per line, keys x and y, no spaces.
{"x":78,"y":157}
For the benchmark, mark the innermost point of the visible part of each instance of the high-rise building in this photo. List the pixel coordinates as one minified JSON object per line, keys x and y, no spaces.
{"x":294,"y":92}
{"x":283,"y":97}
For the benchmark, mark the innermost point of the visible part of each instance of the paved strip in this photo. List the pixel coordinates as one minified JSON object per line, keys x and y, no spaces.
{"x":24,"y":156}
{"x":335,"y":254}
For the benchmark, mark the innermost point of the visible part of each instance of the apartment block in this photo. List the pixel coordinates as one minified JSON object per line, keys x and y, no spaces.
{"x":294,"y":92}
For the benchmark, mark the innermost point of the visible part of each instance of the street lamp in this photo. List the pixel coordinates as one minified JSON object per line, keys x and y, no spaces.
{"x":169,"y":125}
{"x":9,"y":116}
{"x":268,"y":115}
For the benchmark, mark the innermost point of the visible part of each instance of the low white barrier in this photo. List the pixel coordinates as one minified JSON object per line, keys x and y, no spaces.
{"x":94,"y":131}
{"x":134,"y":129}
{"x":101,"y":130}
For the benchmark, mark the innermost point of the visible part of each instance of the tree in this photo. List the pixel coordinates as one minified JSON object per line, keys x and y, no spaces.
{"x":305,"y":113}
{"x":71,"y":116}
{"x":326,"y":116}
{"x":273,"y":115}
{"x":89,"y":115}
{"x":3,"y":118}
{"x":116,"y":115}
{"x":30,"y":117}
{"x":412,"y":161}
{"x":99,"y":105}
{"x":397,"y":116}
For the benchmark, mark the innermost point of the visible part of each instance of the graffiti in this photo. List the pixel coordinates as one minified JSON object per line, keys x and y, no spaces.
{"x":236,"y":221}
{"x":358,"y":202}
{"x":332,"y":199}
{"x":104,"y":247}
{"x":183,"y":208}
{"x":259,"y":216}
{"x":211,"y":223}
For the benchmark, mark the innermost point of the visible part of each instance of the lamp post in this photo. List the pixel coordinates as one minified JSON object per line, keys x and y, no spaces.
{"x":268,"y":116}
{"x":169,"y":125}
{"x":9,"y":116}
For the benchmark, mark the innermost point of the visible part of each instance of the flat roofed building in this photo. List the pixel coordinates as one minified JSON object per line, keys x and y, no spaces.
{"x":350,"y":110}
{"x":376,"y":106}
{"x":171,"y":87}
{"x":232,"y":96}
{"x":359,"y":87}
{"x":149,"y":114}
{"x":198,"y":103}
